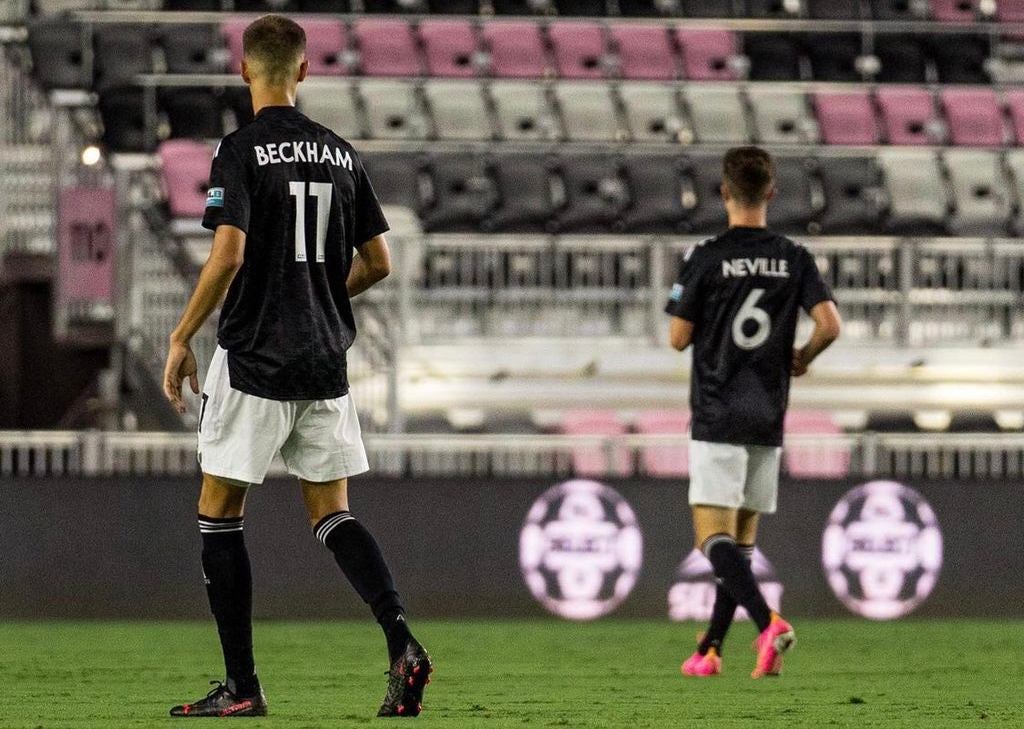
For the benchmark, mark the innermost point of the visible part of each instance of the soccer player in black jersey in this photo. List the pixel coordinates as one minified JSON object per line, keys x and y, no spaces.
{"x":298,"y":233}
{"x":737,"y":300}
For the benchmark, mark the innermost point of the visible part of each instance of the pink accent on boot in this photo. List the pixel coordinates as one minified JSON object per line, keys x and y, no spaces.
{"x":707,"y":665}
{"x":774,"y":640}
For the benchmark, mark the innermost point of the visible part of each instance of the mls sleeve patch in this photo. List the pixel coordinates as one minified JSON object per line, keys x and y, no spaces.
{"x":215,"y":197}
{"x":675,"y":295}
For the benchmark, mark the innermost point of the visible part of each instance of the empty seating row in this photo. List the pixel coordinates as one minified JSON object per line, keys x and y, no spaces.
{"x":941,"y":10}
{"x":581,"y":111}
{"x":902,"y":191}
{"x":583,"y":49}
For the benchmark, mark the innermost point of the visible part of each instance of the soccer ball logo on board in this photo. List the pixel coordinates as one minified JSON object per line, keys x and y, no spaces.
{"x":882,"y":550}
{"x":580,"y":549}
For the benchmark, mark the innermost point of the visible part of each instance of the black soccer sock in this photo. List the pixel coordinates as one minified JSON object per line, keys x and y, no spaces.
{"x":733,"y":572}
{"x":229,"y":586}
{"x":356,"y":552}
{"x":723,"y":612}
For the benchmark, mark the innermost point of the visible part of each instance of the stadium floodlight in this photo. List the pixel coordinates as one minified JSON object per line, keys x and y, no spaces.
{"x":91,"y":155}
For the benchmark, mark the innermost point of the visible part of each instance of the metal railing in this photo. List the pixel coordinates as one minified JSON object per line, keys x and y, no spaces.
{"x":868,"y":455}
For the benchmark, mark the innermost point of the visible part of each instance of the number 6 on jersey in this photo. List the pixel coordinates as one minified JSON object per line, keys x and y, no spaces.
{"x":322,"y":191}
{"x":750,"y":312}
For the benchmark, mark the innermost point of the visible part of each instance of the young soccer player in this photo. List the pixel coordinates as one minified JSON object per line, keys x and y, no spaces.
{"x":290,"y":205}
{"x":737,"y":301}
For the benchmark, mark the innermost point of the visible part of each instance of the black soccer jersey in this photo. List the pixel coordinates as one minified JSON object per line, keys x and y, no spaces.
{"x":303,"y":199}
{"x":743,"y":291}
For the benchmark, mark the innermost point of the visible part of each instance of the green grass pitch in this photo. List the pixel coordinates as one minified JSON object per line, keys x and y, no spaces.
{"x":523,"y":674}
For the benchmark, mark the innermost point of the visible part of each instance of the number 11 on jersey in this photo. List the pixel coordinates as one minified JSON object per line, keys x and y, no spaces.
{"x":322,"y":191}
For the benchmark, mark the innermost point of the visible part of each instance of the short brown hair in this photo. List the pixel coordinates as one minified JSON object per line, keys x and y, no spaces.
{"x":276,"y":45}
{"x":749,"y":173}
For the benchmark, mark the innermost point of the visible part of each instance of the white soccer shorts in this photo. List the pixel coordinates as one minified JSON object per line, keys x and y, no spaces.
{"x":734,"y":476}
{"x":239,"y":433}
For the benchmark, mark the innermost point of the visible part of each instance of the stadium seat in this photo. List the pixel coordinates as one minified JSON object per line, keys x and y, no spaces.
{"x":185,"y":169}
{"x":773,"y":9}
{"x":522,"y":7}
{"x":781,"y":116}
{"x":525,"y":200}
{"x":833,"y":9}
{"x":1015,"y":105}
{"x":1015,"y":165}
{"x":716,"y":114}
{"x":265,"y":6}
{"x":899,"y":10}
{"x":57,"y":58}
{"x":792,"y":208}
{"x":974,"y":115}
{"x":60,"y":7}
{"x":834,"y":56}
{"x":193,"y":113}
{"x":652,"y":111}
{"x":458,"y":109}
{"x":326,"y":47}
{"x":387,"y":47}
{"x":238,"y":101}
{"x":901,"y":58}
{"x":908,"y":115}
{"x":394,"y":177}
{"x":708,"y":54}
{"x":960,"y":59}
{"x":772,"y":56}
{"x":644,"y":8}
{"x":460,"y":194}
{"x":232,"y":30}
{"x":391,"y":7}
{"x":915,"y":191}
{"x":593,"y":462}
{"x":582,"y":8}
{"x":123,"y":113}
{"x":191,"y":48}
{"x":701,"y":195}
{"x":193,"y":5}
{"x":815,"y":461}
{"x":333,"y":103}
{"x":1010,"y":11}
{"x":595,"y":193}
{"x":852,"y":196}
{"x":846,"y":117}
{"x":656,"y":194}
{"x":516,"y":49}
{"x":393,"y":109}
{"x":121,"y":53}
{"x":643,"y":51}
{"x":325,"y":6}
{"x":706,"y":9}
{"x":454,"y":7}
{"x":955,"y":11}
{"x":450,"y":47}
{"x":981,"y":204}
{"x":588,"y":111}
{"x":522,"y":111}
{"x":579,"y":49}
{"x":665,"y":461}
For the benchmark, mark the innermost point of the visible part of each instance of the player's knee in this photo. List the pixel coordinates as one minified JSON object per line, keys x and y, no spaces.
{"x":221,"y":497}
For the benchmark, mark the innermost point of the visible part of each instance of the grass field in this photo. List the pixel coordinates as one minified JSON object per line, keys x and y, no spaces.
{"x":516,"y":674}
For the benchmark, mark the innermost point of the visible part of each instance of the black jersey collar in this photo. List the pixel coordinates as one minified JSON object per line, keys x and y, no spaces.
{"x":279,"y":109}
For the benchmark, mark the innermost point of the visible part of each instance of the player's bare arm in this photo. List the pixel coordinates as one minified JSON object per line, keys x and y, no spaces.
{"x":226,"y":256}
{"x":827,"y":326}
{"x":680,"y":333}
{"x":373,"y":264}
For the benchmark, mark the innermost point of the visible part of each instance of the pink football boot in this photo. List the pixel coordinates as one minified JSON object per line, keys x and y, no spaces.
{"x":702,"y":666}
{"x":774,"y":640}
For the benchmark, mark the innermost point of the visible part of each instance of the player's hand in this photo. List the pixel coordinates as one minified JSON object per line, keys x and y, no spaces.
{"x":800,"y":363}
{"x":181,"y":363}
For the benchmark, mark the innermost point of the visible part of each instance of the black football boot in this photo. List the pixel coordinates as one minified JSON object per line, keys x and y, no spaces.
{"x":408,"y":676}
{"x":223,"y":701}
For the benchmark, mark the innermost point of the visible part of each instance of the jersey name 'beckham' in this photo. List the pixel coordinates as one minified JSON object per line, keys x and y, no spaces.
{"x":302,"y":151}
{"x":769,"y":267}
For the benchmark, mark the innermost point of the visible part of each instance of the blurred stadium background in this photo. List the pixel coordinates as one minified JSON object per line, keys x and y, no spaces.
{"x":544,"y":164}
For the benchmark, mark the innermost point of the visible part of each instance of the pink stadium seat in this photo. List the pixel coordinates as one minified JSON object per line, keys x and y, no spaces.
{"x":579,"y":49}
{"x":593,"y":462}
{"x":707,"y":53}
{"x":387,"y":47}
{"x":1015,"y":103}
{"x":450,"y":47}
{"x":644,"y":52}
{"x":955,"y":11}
{"x":232,"y":29}
{"x":846,"y":117}
{"x":326,"y":44}
{"x":815,"y":462}
{"x":908,"y":114}
{"x":667,"y":460}
{"x":1010,"y":11}
{"x":186,"y":175}
{"x":974,"y":116}
{"x":516,"y":48}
